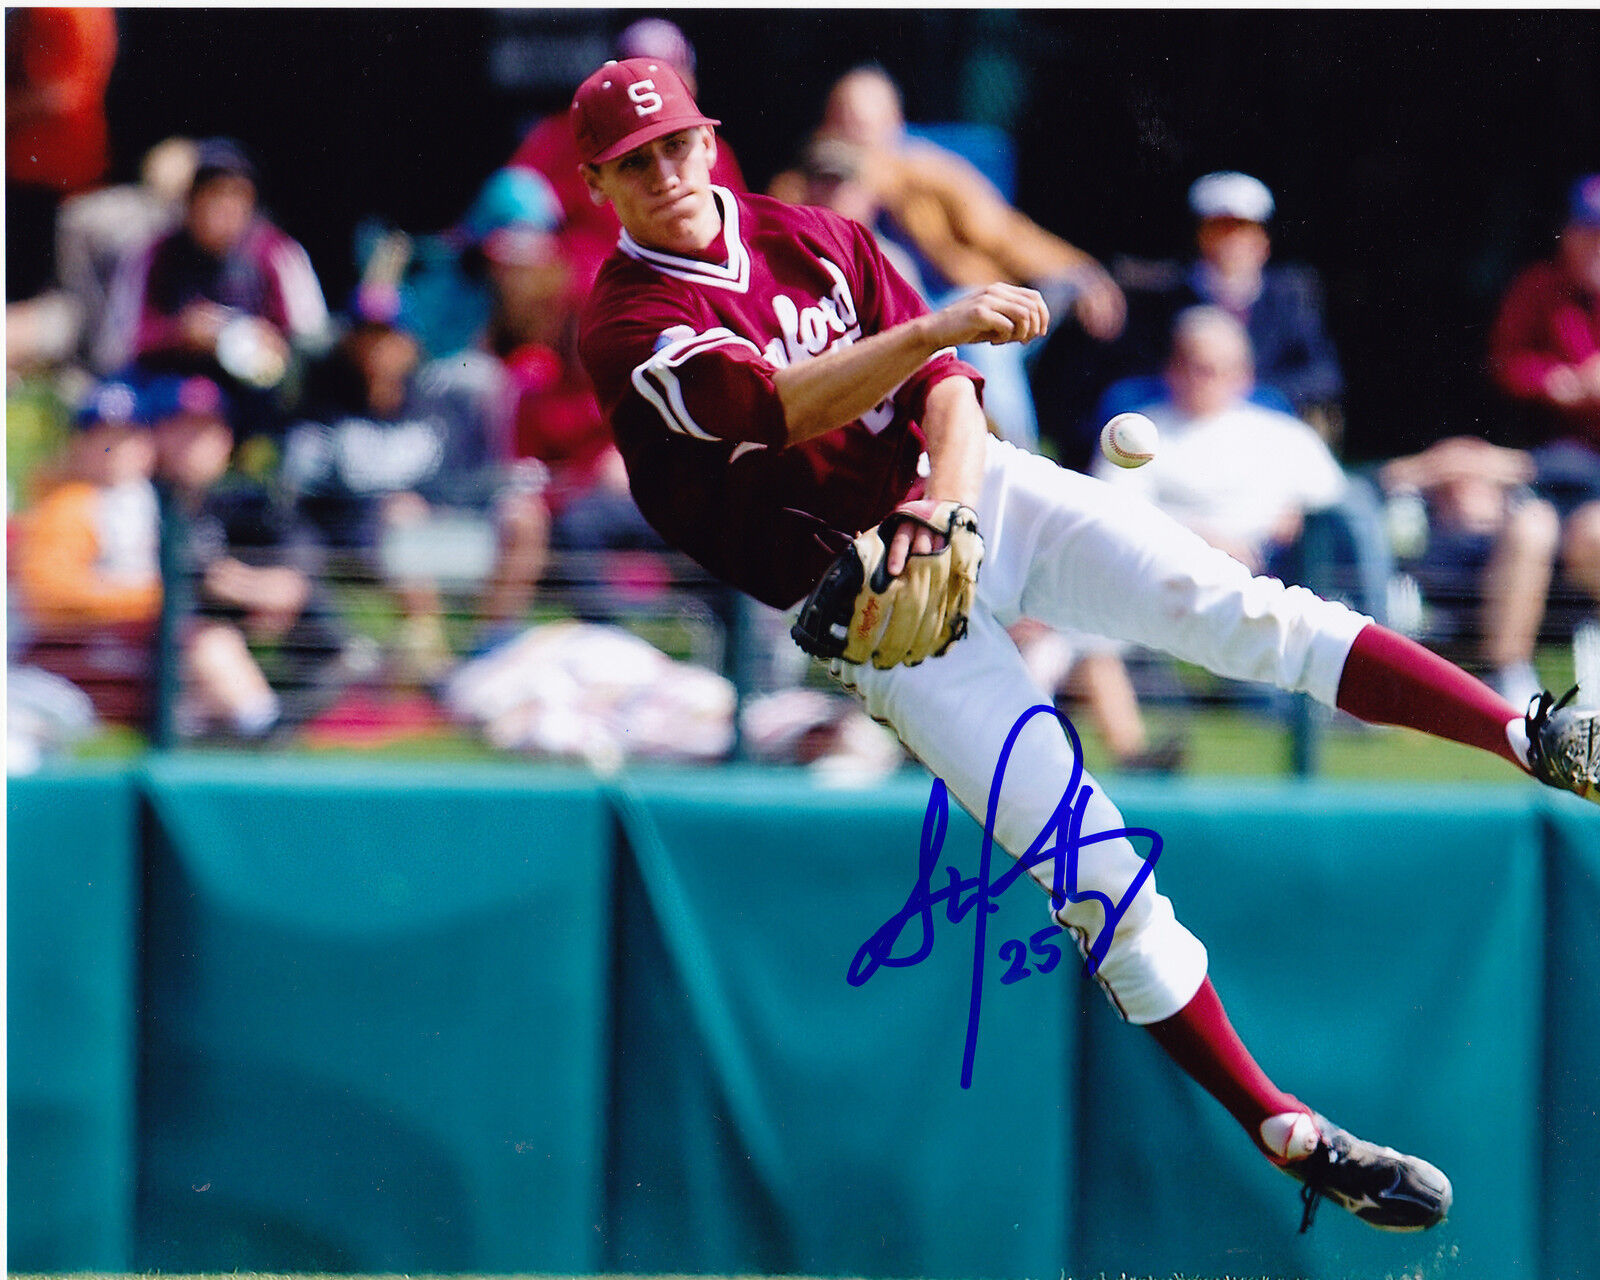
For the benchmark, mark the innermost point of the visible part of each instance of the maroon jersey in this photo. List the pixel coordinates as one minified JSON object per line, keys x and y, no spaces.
{"x":682,"y":353}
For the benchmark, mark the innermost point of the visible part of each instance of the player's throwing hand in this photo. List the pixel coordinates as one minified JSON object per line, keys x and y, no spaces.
{"x":997,"y":314}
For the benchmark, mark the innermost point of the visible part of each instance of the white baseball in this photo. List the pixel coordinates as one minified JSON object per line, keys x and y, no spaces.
{"x":1129,"y":440}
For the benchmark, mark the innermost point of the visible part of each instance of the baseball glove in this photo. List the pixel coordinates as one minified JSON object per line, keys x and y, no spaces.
{"x":859,"y":613}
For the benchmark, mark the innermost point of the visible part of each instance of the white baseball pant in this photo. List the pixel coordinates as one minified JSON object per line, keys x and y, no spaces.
{"x":1074,"y":552}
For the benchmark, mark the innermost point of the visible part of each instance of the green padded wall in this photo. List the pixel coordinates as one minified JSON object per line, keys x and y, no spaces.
{"x":72,"y":987}
{"x":1380,"y":954}
{"x":376,"y":1030}
{"x":773,"y":1117}
{"x":410,"y":1018}
{"x":1570,"y":1139}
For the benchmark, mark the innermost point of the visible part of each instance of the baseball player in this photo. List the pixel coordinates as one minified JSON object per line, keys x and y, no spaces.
{"x":775,"y":388}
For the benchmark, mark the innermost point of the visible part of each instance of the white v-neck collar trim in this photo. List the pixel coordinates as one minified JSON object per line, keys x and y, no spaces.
{"x":734,"y":274}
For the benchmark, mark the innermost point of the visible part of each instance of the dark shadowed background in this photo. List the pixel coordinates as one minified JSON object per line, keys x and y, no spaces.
{"x":1417,"y":158}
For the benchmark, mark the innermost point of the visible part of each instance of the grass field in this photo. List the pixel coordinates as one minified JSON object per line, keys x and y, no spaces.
{"x":1221,"y":743}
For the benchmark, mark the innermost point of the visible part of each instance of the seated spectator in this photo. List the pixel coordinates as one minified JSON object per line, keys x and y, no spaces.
{"x":262,"y":646}
{"x":1242,"y":476}
{"x":962,"y":233}
{"x":830,"y":172}
{"x":589,"y":230}
{"x":530,"y":300}
{"x":86,"y":565}
{"x":1280,"y":305}
{"x":403,"y":463}
{"x":100,"y":230}
{"x":1544,"y":352}
{"x":498,"y":285}
{"x":88,"y":548}
{"x":226,"y":295}
{"x":88,"y":575}
{"x":439,"y":287}
{"x":949,"y":215}
{"x":63,"y":329}
{"x":1485,"y":535}
{"x":532,"y":331}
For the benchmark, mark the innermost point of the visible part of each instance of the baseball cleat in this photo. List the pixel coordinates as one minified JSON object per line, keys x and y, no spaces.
{"x":1564,"y":745}
{"x":1382,"y":1187}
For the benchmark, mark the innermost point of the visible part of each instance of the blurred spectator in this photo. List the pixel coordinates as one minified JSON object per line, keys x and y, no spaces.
{"x":962,"y":233}
{"x":403,"y":462}
{"x":1280,"y":305}
{"x":45,"y":716}
{"x":1544,"y":351}
{"x":58,"y":64}
{"x":497,"y":285}
{"x":1485,"y":536}
{"x":508,"y":291}
{"x":87,"y":573}
{"x":949,"y":215}
{"x":830,"y":172}
{"x":1242,"y":476}
{"x":515,"y":296}
{"x":96,"y":231}
{"x":511,"y":245}
{"x":262,"y":647}
{"x":100,"y":230}
{"x":532,"y":330}
{"x":89,"y":545}
{"x":441,"y":288}
{"x":589,"y":231}
{"x":226,"y":295}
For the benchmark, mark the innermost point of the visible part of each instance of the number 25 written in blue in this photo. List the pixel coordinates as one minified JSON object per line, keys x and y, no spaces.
{"x":1015,"y":953}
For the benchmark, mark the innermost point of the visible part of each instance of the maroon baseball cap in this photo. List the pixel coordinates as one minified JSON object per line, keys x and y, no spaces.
{"x":626,"y":104}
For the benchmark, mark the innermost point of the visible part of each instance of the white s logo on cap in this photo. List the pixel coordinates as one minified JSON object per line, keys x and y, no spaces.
{"x":644,"y":97}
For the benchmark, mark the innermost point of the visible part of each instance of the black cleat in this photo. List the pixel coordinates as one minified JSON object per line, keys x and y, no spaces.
{"x":1383,"y":1188}
{"x":1564,"y":745}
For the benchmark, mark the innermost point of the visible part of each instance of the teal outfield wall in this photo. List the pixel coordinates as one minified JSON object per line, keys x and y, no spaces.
{"x":348,"y":1017}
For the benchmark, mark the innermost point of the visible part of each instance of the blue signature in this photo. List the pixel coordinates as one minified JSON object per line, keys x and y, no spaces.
{"x":1060,"y":842}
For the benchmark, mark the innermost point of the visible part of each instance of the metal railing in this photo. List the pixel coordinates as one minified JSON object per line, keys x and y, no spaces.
{"x":351,"y":636}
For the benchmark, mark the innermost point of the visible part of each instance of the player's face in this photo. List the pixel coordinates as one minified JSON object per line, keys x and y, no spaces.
{"x":661,"y":191}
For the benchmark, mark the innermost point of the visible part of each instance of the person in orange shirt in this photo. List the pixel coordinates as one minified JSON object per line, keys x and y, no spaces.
{"x":88,"y":573}
{"x":88,"y":550}
{"x":86,"y":566}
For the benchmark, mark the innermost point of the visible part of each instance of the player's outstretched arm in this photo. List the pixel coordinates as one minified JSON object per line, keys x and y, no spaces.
{"x":842,"y":384}
{"x":955,"y":428}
